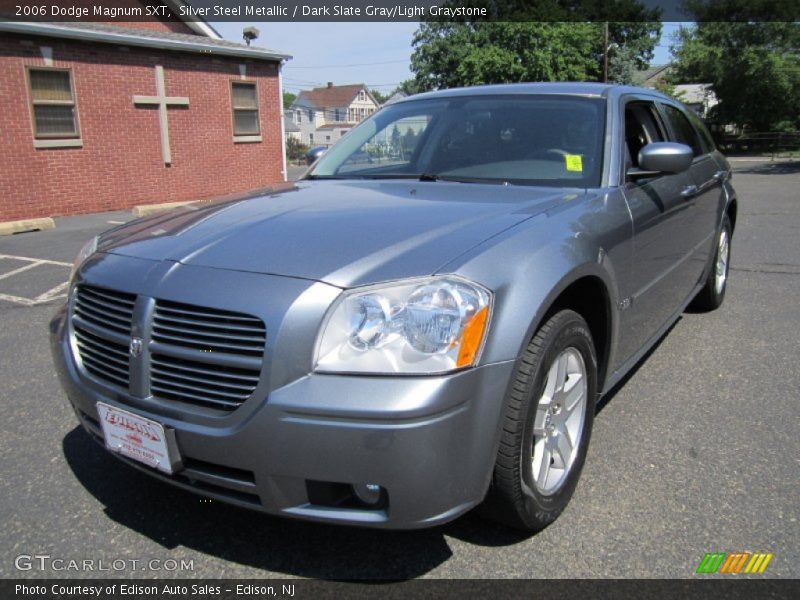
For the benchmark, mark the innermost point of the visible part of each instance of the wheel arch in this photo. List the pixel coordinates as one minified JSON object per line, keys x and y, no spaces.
{"x":588,"y":292}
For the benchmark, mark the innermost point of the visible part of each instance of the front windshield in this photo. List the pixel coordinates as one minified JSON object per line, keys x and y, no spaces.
{"x":553,"y":140}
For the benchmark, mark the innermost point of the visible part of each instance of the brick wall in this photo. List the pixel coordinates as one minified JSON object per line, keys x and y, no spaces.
{"x":120,"y":163}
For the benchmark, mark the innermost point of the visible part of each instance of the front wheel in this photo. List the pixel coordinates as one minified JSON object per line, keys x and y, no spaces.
{"x":547,"y":425}
{"x":712,"y":294}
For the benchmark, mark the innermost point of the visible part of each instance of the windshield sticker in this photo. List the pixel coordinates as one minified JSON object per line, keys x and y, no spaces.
{"x":574,"y":162}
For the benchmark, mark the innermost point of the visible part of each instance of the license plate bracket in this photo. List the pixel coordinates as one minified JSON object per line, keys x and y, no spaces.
{"x":139,"y":438}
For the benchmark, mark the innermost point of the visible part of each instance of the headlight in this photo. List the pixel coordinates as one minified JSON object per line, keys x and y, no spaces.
{"x":85,"y":252}
{"x":426,"y":326}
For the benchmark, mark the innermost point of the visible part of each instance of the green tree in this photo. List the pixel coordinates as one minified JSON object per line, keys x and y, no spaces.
{"x":295,"y":150}
{"x":549,"y":40}
{"x":753,"y":69}
{"x":623,"y":66}
{"x":288,"y":98}
{"x":379,"y":96}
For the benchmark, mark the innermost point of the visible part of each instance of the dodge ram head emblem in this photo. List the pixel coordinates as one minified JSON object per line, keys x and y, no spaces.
{"x":136,"y":346}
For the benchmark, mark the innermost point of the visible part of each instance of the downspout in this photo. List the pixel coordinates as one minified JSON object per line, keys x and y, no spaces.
{"x":283,"y":125}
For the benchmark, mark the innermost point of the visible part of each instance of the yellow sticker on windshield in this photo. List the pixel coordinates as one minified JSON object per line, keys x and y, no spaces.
{"x":574,"y":162}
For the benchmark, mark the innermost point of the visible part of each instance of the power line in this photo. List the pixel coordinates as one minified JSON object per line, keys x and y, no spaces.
{"x":369,"y":64}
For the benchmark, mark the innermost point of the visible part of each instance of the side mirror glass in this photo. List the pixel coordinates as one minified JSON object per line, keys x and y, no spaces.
{"x":662,"y":158}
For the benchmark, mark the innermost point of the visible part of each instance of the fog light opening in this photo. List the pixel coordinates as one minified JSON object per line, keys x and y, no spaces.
{"x":370,"y":494}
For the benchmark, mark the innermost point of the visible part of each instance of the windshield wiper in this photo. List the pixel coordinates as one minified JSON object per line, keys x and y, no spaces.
{"x":312,"y":176}
{"x":462,"y":179}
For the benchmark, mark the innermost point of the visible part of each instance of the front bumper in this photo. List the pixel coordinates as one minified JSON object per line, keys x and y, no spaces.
{"x":429,"y":442}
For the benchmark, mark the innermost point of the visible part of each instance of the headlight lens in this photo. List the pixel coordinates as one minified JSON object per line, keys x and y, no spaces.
{"x":88,"y":249}
{"x":425,"y":326}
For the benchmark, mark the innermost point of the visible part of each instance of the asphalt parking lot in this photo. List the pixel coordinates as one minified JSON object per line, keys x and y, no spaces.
{"x":698,"y":451}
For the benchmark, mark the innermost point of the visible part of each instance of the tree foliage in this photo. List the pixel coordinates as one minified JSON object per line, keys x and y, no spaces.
{"x":288,"y":98}
{"x":379,"y":96}
{"x":753,"y":68}
{"x":549,"y":40}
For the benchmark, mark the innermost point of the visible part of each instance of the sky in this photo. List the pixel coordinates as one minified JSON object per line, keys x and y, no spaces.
{"x":376,"y":54}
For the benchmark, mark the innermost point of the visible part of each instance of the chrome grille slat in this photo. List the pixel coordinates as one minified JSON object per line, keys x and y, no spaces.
{"x":97,"y":355}
{"x":118,"y":298}
{"x":205,"y":356}
{"x":209,"y":325}
{"x":202,"y":400}
{"x":254,"y":339}
{"x":205,"y":345}
{"x":104,"y":305}
{"x":101,"y":321}
{"x":183,"y":310}
{"x":189,"y":370}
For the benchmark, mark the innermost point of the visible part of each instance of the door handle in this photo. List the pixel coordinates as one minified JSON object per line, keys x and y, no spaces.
{"x":690,"y":191}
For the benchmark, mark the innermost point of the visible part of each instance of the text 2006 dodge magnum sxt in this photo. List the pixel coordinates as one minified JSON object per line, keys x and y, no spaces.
{"x":424,"y":324}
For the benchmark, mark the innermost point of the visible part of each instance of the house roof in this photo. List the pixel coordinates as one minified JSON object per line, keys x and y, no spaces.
{"x":112,"y":34}
{"x":694,"y":93}
{"x":331,"y":96}
{"x":337,"y":125}
{"x":196,"y":23}
{"x":653,"y":72}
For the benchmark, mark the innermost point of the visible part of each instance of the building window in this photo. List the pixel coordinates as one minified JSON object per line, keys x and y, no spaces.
{"x":362,"y":96}
{"x":311,"y":138}
{"x":244,"y":100}
{"x":336,"y":115}
{"x":53,"y":104}
{"x":299,"y":116}
{"x":327,"y":138}
{"x":310,"y":115}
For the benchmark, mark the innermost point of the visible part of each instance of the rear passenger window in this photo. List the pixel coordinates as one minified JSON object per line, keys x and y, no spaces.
{"x":684,"y":132}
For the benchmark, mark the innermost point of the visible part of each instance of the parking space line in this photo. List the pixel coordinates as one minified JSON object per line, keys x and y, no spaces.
{"x":52,"y":294}
{"x":17,"y":299}
{"x":20,"y":270}
{"x":42,"y":261}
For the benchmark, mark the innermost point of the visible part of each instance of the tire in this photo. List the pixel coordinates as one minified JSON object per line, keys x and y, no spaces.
{"x":712,"y":294}
{"x":522,"y":494}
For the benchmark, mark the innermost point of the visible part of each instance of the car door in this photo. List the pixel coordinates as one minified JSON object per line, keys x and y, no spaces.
{"x":663,"y":239}
{"x":706,"y":198}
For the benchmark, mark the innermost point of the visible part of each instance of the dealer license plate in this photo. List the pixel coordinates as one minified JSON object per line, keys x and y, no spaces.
{"x":133,"y":436}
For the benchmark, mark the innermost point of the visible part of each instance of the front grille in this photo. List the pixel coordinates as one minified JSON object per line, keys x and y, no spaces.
{"x":216,"y":386}
{"x":208,"y":329}
{"x":201,"y":356}
{"x":101,"y":320}
{"x":105,"y":309}
{"x":205,"y":356}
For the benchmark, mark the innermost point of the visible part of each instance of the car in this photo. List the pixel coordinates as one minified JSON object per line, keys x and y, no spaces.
{"x":313,"y":154}
{"x":392,"y":344}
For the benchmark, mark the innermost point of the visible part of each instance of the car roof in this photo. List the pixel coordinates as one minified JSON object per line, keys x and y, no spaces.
{"x":596,"y":90}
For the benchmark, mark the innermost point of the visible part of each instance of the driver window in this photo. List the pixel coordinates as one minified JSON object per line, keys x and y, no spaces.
{"x":641,"y":128}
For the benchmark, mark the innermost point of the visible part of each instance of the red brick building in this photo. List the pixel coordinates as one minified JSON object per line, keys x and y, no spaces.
{"x":97,"y":117}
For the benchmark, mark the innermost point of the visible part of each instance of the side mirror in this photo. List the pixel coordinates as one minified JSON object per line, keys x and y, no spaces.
{"x":662,"y":158}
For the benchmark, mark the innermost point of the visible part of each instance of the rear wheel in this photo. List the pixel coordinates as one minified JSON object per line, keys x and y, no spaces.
{"x":547,"y":425}
{"x":713,"y":292}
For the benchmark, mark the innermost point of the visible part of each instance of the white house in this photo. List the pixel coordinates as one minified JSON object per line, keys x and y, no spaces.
{"x":325,"y":114}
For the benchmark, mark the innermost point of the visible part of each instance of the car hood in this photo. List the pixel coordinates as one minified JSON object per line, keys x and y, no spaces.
{"x":345,"y":233}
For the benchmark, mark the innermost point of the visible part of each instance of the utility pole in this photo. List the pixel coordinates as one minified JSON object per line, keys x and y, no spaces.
{"x":605,"y":52}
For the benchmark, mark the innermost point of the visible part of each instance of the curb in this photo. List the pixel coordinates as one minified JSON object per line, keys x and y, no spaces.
{"x":11,"y":227}
{"x":150,"y":209}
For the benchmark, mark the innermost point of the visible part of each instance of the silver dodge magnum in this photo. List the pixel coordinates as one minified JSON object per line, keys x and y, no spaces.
{"x":422,"y":325}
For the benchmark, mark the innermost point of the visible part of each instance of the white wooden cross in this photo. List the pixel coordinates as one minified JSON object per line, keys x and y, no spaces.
{"x":162,"y":101}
